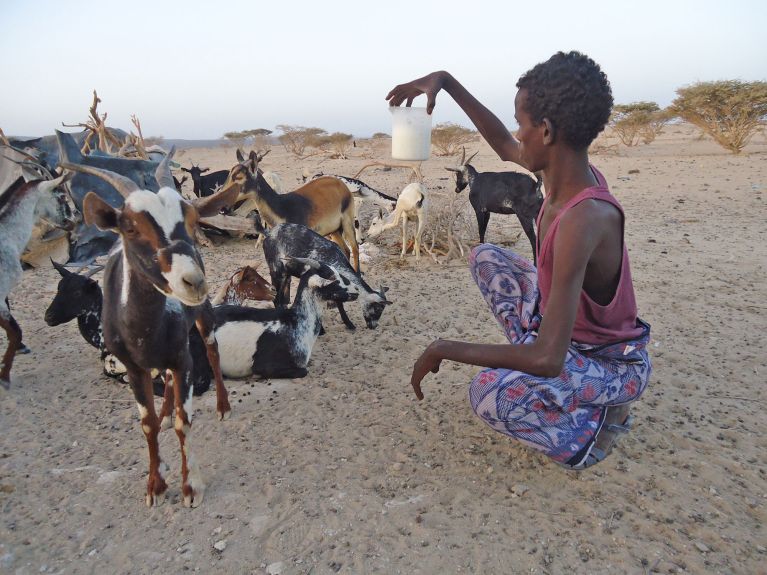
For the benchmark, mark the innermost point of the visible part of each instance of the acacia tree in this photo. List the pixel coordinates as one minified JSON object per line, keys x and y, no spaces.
{"x":730,"y":111}
{"x":448,"y":138}
{"x":258,"y":135}
{"x":638,"y":121}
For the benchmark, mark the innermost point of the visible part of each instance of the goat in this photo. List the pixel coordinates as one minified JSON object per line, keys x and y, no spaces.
{"x":245,"y":283}
{"x":179,"y":183}
{"x":205,"y":186}
{"x":80,"y":296}
{"x":20,"y":206}
{"x":297,"y":241}
{"x":278,"y":343}
{"x":500,"y":193}
{"x":324,"y":205}
{"x":412,"y":204}
{"x":361,"y":192}
{"x":154,"y":291}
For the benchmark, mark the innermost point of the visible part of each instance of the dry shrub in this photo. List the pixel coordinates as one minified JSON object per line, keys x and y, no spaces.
{"x":447,"y":138}
{"x":336,"y":145}
{"x":450,"y":223}
{"x":730,"y":111}
{"x":257,"y":137}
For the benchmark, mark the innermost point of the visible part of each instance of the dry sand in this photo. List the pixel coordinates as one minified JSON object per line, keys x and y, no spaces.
{"x":346,"y":472}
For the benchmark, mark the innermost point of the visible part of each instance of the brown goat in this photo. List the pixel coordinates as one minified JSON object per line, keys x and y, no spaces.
{"x":323,"y":205}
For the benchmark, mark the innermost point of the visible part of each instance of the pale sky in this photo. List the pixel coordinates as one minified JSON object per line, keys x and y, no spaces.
{"x":197,"y":69}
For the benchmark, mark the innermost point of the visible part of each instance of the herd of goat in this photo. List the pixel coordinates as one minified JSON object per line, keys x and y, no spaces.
{"x":152,"y":319}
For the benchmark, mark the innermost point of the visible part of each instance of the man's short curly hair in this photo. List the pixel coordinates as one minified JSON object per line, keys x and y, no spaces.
{"x":573,"y":93}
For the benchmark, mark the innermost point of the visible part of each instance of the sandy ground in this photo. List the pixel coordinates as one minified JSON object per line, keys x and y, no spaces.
{"x":346,"y":472}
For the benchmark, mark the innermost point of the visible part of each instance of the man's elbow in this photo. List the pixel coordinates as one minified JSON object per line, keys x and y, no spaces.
{"x":550,"y":365}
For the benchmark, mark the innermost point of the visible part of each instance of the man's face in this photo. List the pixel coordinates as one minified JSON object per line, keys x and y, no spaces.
{"x":530,"y":136}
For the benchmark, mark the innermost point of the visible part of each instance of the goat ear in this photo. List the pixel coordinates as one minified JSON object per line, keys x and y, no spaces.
{"x":204,"y":170}
{"x":240,"y":157}
{"x":211,"y":205}
{"x":380,"y":213}
{"x":97,"y":211}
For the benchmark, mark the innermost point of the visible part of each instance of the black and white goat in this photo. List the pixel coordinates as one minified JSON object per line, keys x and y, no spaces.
{"x":20,"y":206}
{"x":296,"y":241}
{"x":154,"y":292}
{"x":278,"y":343}
{"x":500,"y":193}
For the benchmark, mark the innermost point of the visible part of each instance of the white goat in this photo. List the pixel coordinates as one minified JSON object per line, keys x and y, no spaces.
{"x":411,"y":205}
{"x":20,"y":206}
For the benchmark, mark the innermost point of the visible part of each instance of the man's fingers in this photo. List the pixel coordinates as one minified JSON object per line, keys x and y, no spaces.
{"x":431,"y":100}
{"x":417,"y":389}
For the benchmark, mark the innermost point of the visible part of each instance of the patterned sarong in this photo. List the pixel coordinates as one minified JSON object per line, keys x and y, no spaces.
{"x":555,"y":415}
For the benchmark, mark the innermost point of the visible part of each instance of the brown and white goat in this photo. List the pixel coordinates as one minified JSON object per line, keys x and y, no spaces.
{"x":323,"y":205}
{"x":154,"y":291}
{"x":245,"y":283}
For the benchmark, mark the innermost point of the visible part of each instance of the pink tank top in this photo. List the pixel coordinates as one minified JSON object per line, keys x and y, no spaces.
{"x":595,"y":324}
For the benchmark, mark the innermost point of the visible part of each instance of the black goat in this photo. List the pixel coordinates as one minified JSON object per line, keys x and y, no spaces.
{"x":296,"y":241}
{"x":205,"y":185}
{"x":500,"y":193}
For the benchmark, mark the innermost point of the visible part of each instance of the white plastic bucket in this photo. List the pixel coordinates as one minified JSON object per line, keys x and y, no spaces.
{"x":410,"y":133}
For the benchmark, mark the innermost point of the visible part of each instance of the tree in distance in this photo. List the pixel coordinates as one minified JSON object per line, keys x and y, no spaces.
{"x":447,"y":138}
{"x":730,"y":111}
{"x":638,"y":121}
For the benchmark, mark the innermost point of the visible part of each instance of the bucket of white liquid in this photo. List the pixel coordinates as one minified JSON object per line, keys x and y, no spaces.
{"x":410,"y":133}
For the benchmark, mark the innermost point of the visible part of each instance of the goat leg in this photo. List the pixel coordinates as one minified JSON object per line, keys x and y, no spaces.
{"x":141,"y":384}
{"x":192,"y":486}
{"x":205,"y":324}
{"x":345,"y":318}
{"x":167,"y":402}
{"x":13,"y":331}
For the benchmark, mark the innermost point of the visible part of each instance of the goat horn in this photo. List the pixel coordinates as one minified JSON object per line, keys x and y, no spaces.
{"x":453,"y":169}
{"x":95,"y":270}
{"x":61,"y":269}
{"x":125,"y":186}
{"x":463,"y":154}
{"x":162,"y":173}
{"x":471,"y":158}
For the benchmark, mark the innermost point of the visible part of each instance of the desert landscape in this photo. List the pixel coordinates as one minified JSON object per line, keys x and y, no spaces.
{"x":344,"y":471}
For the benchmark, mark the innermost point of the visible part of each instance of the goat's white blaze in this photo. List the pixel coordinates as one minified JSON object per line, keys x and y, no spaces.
{"x":126,"y":281}
{"x":238,"y":343}
{"x":184,"y":269}
{"x":164,"y":207}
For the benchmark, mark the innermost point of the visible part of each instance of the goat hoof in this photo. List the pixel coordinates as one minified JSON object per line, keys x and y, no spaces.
{"x":23,"y":349}
{"x":155,"y":499}
{"x":194,"y":499}
{"x":5,"y":384}
{"x":222,"y":415}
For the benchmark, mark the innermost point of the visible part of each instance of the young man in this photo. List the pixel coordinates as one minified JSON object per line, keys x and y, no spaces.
{"x":577,"y":353}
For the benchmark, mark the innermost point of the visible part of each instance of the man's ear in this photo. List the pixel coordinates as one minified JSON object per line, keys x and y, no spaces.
{"x":549,"y":133}
{"x":97,"y":211}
